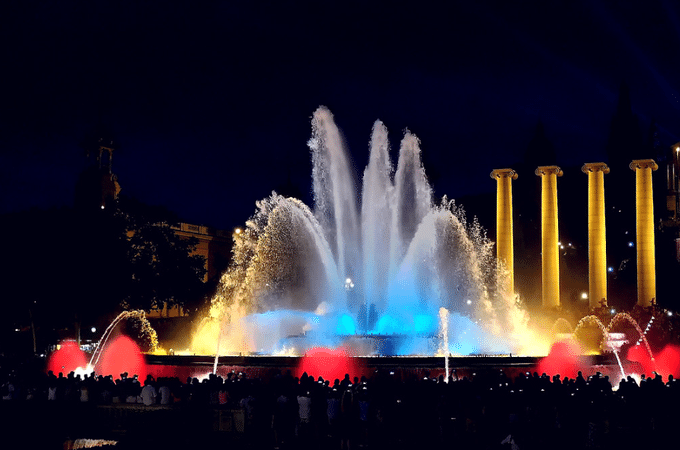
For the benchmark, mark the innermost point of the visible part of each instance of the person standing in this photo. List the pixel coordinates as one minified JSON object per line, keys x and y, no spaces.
{"x":148,"y":393}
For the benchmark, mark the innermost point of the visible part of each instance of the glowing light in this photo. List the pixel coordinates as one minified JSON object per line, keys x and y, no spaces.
{"x":67,"y":358}
{"x":93,"y":329}
{"x":613,"y":311}
{"x":345,"y":325}
{"x":631,"y":244}
{"x":423,"y":323}
{"x":563,"y":359}
{"x":610,"y":269}
{"x":287,"y":258}
{"x":584,"y":295}
{"x":328,"y":363}
{"x":389,"y":325}
{"x":122,"y":355}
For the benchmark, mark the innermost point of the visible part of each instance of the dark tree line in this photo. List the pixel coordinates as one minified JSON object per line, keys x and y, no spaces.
{"x":67,"y":268}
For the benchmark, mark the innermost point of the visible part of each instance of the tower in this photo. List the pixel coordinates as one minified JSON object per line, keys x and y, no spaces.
{"x":97,"y":186}
{"x":672,"y":184}
{"x":672,"y":219}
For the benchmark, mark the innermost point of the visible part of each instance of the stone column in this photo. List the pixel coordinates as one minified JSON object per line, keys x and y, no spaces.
{"x":550,"y":252}
{"x":597,"y":237}
{"x":504,"y":233}
{"x":644,"y":232}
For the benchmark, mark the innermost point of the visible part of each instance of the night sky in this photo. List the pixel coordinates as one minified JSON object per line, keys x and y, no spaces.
{"x":210,"y":102}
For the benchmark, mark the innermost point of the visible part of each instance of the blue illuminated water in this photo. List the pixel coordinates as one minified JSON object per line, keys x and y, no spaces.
{"x":380,"y":260}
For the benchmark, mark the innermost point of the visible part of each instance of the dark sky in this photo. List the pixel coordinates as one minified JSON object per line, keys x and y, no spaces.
{"x":210,"y":102}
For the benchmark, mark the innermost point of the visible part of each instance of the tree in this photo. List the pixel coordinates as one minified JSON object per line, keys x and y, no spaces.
{"x":62,"y":268}
{"x":66,"y":267}
{"x":163,"y":266}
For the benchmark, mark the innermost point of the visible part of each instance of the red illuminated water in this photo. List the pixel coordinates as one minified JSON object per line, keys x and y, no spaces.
{"x":122,"y":354}
{"x":563,"y":359}
{"x":67,"y":359}
{"x":329,"y":364}
{"x":666,"y":362}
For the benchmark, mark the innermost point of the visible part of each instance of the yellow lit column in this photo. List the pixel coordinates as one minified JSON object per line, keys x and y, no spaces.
{"x":550,"y":255}
{"x":644,"y":233}
{"x":597,"y":238}
{"x":504,"y":234}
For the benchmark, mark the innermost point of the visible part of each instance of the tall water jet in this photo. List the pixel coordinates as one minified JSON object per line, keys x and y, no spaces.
{"x":597,"y":239}
{"x":335,"y":197}
{"x":444,"y":347}
{"x":550,"y":256}
{"x":146,"y":331}
{"x":644,"y":231}
{"x":376,"y":222}
{"x":344,"y":274}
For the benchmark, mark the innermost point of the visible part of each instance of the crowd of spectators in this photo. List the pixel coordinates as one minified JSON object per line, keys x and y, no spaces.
{"x":489,"y":410}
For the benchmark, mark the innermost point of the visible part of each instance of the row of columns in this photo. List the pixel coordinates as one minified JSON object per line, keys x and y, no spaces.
{"x":597,"y":244}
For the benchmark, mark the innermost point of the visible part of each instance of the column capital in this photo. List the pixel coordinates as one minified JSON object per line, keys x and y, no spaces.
{"x":595,"y":167}
{"x":643,"y":164}
{"x":497,"y":174}
{"x":548,"y":170}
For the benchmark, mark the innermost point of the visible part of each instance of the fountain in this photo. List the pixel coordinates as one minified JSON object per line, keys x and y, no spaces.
{"x":383,"y":271}
{"x":114,"y":352}
{"x":145,"y":330}
{"x":444,"y":345}
{"x":592,"y":336}
{"x":368,"y":272}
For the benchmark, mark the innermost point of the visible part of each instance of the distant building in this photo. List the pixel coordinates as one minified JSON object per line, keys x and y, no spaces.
{"x":213,"y":245}
{"x":98,"y":188}
{"x":670,"y":218}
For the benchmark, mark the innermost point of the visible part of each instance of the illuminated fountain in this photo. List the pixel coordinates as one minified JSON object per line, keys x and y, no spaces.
{"x":592,"y":336}
{"x":369,"y":272}
{"x":114,"y":353}
{"x":444,"y":336}
{"x":145,"y":330}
